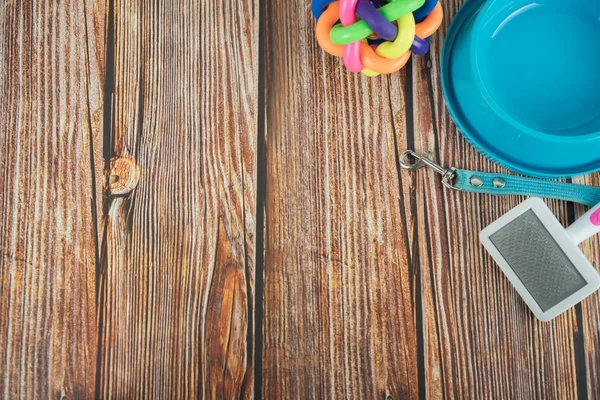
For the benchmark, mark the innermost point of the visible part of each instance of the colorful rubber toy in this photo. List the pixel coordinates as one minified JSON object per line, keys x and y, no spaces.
{"x":384,"y":37}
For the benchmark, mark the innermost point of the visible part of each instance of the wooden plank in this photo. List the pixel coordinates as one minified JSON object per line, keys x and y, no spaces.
{"x":51,"y":106}
{"x":339,"y":288}
{"x":178,"y":271}
{"x":588,"y":316}
{"x":480,"y":339}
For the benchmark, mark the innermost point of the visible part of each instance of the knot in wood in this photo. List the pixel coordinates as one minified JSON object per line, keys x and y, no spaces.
{"x":124,"y":175}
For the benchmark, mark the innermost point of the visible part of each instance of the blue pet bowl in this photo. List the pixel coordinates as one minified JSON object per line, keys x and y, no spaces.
{"x":521,"y":80}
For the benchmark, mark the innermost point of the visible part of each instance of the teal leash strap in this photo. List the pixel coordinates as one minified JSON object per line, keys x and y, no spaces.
{"x":504,"y":185}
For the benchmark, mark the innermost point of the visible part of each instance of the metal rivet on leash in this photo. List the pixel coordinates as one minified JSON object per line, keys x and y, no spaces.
{"x":499,"y":183}
{"x":476,"y":181}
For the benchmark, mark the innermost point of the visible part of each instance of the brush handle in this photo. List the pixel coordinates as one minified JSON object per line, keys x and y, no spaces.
{"x":586,"y":226}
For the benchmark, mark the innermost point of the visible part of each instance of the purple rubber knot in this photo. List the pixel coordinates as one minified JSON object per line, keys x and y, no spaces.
{"x":377,"y":22}
{"x":419,"y":46}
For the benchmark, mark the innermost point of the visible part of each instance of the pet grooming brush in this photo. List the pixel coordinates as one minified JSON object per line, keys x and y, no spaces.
{"x":542,"y":259}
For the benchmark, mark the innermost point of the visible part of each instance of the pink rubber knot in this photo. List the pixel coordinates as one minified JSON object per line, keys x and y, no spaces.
{"x":351,"y":52}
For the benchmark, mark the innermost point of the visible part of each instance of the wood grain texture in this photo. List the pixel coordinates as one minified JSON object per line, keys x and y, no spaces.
{"x":177,"y":285}
{"x":237,"y":232}
{"x":589,"y":314}
{"x":339,"y":283}
{"x":375,"y":282}
{"x":51,"y":105}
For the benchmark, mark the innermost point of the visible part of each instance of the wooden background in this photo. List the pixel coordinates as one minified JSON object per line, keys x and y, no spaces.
{"x":196,"y":201}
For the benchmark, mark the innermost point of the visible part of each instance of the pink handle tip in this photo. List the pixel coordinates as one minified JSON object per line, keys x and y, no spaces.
{"x":595,"y":218}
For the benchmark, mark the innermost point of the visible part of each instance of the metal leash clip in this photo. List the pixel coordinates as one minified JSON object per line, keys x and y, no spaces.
{"x":424,"y":160}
